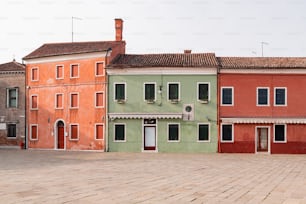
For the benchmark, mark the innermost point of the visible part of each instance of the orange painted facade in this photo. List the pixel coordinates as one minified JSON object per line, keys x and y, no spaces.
{"x":245,"y":106}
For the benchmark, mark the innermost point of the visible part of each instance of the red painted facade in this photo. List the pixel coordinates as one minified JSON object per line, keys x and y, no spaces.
{"x":246,"y":114}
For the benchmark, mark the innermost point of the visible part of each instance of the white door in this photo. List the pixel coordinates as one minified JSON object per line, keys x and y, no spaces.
{"x":149,"y":138}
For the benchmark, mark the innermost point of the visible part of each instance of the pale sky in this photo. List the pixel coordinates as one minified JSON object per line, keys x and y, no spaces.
{"x":225,"y":27}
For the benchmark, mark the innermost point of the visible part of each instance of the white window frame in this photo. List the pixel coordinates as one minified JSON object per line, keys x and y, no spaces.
{"x":285,"y":132}
{"x":114,"y":139}
{"x":221,"y":95}
{"x":198,"y":84}
{"x":257,"y":95}
{"x":179,"y":132}
{"x":32,"y":101}
{"x":63,"y":71}
{"x":77,"y":124}
{"x":103,"y":99}
{"x":125,"y":90}
{"x":31,"y":125}
{"x":233,"y":136}
{"x":103,"y":129}
{"x":70,"y":101}
{"x":205,"y":141}
{"x":71,"y":77}
{"x":32,"y":74}
{"x":8,"y":97}
{"x":97,"y":67}
{"x":275,"y":96}
{"x":168,"y":90}
{"x":55,"y":101}
{"x":144,"y":90}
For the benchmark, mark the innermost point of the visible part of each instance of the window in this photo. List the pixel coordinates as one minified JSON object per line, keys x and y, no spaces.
{"x":150,"y":92}
{"x":279,"y":133}
{"x":99,"y":69}
{"x":34,"y":132}
{"x":12,"y":98}
{"x":74,"y":71}
{"x":11,"y":130}
{"x":34,"y":74}
{"x":280,"y":97}
{"x":74,"y":131}
{"x":99,"y":99}
{"x":74,"y":100}
{"x":227,"y":133}
{"x":34,"y":102}
{"x":119,"y":132}
{"x":227,"y":96}
{"x":262,"y":96}
{"x":59,"y":100}
{"x":173,"y":91}
{"x":203,"y":132}
{"x":59,"y":72}
{"x":203,"y":91}
{"x":99,"y":132}
{"x":173,"y":132}
{"x":119,"y":91}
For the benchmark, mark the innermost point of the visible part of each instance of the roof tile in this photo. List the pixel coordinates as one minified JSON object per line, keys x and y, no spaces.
{"x":12,"y":66}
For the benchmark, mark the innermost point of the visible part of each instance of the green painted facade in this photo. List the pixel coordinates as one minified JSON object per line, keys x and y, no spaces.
{"x":135,"y":103}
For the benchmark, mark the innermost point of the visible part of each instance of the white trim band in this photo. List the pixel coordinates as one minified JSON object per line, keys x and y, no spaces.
{"x":265,"y":120}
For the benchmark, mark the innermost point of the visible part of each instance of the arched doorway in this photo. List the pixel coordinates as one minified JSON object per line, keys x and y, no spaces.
{"x":60,"y":129}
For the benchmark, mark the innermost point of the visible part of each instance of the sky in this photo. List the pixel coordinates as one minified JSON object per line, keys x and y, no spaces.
{"x":224,"y":27}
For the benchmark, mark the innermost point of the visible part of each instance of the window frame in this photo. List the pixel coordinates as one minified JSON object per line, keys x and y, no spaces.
{"x":74,"y":77}
{"x":179,"y":90}
{"x":31,"y":138}
{"x":70,"y":100}
{"x":285,"y":88}
{"x":96,"y":69}
{"x":33,"y":68}
{"x":198,"y":89}
{"x":285,"y":133}
{"x":124,"y":126}
{"x":7,"y":128}
{"x":78,"y":131}
{"x":125,"y":91}
{"x":198,"y":132}
{"x":221,"y":95}
{"x":55,"y":101}
{"x":257,"y":96}
{"x":221,"y":133}
{"x":103,"y":131}
{"x":56,"y":67}
{"x":103,"y":99}
{"x":179,"y":132}
{"x":31,"y":102}
{"x":144,"y":91}
{"x":8,"y":98}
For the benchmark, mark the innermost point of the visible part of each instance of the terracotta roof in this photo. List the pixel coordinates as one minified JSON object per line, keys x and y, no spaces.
{"x":12,"y":66}
{"x":164,"y":60}
{"x":262,"y":62}
{"x":57,"y":49}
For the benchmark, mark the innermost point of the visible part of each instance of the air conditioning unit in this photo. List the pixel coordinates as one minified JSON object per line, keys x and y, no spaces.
{"x":188,"y":112}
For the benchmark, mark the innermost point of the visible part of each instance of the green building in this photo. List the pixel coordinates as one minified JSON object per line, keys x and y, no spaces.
{"x":162,"y":103}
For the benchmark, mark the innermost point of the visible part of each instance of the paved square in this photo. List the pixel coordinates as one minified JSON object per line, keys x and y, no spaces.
{"x":90,"y":177}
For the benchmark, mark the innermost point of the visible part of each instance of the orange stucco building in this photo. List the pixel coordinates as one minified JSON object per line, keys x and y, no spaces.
{"x":66,"y":93}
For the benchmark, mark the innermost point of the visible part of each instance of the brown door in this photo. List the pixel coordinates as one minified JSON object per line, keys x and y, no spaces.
{"x":60,"y":135}
{"x":262,"y":139}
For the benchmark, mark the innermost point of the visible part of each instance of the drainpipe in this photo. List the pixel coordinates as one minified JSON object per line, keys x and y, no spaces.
{"x":109,"y":50}
{"x":218,"y":109}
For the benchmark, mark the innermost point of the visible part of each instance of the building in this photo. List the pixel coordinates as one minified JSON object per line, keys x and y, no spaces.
{"x":163,"y":103}
{"x":261,"y":106}
{"x":66,"y":91}
{"x":12,"y":105}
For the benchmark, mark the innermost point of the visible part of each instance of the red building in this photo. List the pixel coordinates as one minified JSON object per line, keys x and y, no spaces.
{"x":66,"y":91}
{"x":261,"y":106}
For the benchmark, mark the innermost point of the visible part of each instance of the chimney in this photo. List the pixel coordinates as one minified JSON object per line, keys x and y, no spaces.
{"x":187,"y":51}
{"x":119,"y":28}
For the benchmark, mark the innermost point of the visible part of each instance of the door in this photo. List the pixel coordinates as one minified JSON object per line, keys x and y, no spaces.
{"x":262,"y":139}
{"x":60,"y":135}
{"x":149,"y":138}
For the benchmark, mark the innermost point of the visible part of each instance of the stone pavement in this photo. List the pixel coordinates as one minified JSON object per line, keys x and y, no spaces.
{"x":29,"y":176}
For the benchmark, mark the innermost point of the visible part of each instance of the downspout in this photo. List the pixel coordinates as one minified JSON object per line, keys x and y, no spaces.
{"x":109,"y":50}
{"x":218,"y":108}
{"x":25,"y":110}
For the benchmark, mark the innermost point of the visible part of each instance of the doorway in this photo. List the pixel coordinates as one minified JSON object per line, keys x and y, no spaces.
{"x":149,"y":134}
{"x":262,"y":139}
{"x":60,"y":130}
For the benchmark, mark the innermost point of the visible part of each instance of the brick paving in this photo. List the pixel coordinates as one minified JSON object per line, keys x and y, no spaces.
{"x":29,"y":176}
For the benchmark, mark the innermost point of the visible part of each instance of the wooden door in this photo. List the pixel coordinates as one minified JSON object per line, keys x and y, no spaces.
{"x":60,"y":135}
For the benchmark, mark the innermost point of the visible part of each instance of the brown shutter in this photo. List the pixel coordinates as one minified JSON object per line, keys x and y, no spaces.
{"x":59,"y":72}
{"x":99,"y":99}
{"x":59,"y":101}
{"x":99,"y":131}
{"x":74,"y":132}
{"x":34,"y":74}
{"x":99,"y":69}
{"x":34,"y":132}
{"x":34,"y":102}
{"x":74,"y":70}
{"x":74,"y":100}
